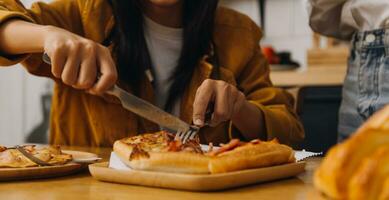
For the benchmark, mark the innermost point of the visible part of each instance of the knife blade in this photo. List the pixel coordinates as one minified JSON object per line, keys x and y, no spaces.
{"x":143,"y":108}
{"x":148,"y":110}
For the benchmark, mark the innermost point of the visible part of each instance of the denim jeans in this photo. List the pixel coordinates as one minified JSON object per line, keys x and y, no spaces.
{"x":366,"y":87}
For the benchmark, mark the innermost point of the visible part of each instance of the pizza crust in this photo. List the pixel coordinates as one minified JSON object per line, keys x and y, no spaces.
{"x":176,"y":162}
{"x":252,"y":156}
{"x":123,"y":151}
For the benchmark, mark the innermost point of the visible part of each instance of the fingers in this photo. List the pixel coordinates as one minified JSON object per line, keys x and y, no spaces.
{"x":203,"y":97}
{"x":108,"y":73}
{"x":226,"y":97}
{"x":57,"y":61}
{"x":222,"y":111}
{"x":88,"y":72}
{"x":78,"y":61}
{"x":70,"y":71}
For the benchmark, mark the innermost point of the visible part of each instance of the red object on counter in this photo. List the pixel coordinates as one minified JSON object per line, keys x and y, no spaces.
{"x":271,"y":55}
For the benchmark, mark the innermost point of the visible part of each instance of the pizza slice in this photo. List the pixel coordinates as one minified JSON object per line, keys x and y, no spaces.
{"x":12,"y":158}
{"x":160,"y":152}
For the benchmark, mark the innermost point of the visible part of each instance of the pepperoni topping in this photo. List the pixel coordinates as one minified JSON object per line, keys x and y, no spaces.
{"x":226,"y":147}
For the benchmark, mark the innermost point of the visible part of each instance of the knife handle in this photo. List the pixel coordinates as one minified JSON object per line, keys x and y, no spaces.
{"x":46,"y":58}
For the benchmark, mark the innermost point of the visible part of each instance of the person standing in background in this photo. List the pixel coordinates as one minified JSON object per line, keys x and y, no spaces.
{"x":366,"y":25}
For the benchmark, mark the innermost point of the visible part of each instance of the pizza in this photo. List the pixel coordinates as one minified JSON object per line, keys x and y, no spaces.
{"x":160,"y":151}
{"x":13,"y":158}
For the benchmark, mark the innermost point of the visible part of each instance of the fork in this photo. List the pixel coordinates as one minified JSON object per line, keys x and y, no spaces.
{"x":193,"y":130}
{"x":188,"y":135}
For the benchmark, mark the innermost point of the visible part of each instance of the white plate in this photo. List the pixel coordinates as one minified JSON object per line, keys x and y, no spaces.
{"x":83,"y":157}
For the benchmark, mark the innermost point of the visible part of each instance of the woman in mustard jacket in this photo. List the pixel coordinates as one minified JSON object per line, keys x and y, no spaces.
{"x":177,"y":54}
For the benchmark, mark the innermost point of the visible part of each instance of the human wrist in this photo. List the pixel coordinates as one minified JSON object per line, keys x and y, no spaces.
{"x":249,"y":121}
{"x":46,"y":35}
{"x":241,"y":106}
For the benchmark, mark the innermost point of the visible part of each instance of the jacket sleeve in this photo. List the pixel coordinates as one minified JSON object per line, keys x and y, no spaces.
{"x":326,"y":18}
{"x":61,"y":13}
{"x":280,"y":120}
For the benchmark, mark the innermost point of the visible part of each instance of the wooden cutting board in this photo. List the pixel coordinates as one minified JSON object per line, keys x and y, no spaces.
{"x":193,"y":182}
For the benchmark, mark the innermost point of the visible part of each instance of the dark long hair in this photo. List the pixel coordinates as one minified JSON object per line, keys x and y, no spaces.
{"x":130,"y":48}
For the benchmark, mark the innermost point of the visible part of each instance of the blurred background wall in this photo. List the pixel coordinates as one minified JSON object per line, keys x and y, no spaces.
{"x":286,"y":24}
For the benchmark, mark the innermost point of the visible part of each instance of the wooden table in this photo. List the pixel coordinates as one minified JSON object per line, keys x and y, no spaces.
{"x":83,"y":186}
{"x":332,"y":75}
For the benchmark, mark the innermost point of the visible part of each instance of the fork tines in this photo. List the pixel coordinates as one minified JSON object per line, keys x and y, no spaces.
{"x":188,"y":135}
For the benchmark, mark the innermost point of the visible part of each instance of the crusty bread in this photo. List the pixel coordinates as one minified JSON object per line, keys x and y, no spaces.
{"x":252,"y":156}
{"x":367,"y":183}
{"x":343,"y":161}
{"x":176,"y":162}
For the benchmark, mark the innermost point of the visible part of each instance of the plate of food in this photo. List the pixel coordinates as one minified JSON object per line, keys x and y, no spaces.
{"x":32,"y":161}
{"x":158,"y":160}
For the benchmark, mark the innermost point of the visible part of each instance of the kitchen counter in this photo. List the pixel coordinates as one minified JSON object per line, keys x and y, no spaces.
{"x":331,"y":75}
{"x":83,"y":186}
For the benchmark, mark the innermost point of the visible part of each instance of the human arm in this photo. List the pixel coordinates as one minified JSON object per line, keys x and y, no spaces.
{"x":325,"y":17}
{"x":55,"y":28}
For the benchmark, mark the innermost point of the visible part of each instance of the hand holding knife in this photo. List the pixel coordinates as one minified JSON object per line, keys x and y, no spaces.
{"x":148,"y":111}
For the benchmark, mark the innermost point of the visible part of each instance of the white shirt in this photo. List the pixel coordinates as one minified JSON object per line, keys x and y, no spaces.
{"x":342,"y":18}
{"x":164,"y":45}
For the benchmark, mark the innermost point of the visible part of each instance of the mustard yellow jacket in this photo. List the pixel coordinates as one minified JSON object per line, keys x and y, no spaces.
{"x":78,"y":118}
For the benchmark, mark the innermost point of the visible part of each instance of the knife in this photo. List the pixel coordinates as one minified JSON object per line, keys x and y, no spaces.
{"x":149,"y":111}
{"x":30,"y":156}
{"x":143,"y":108}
